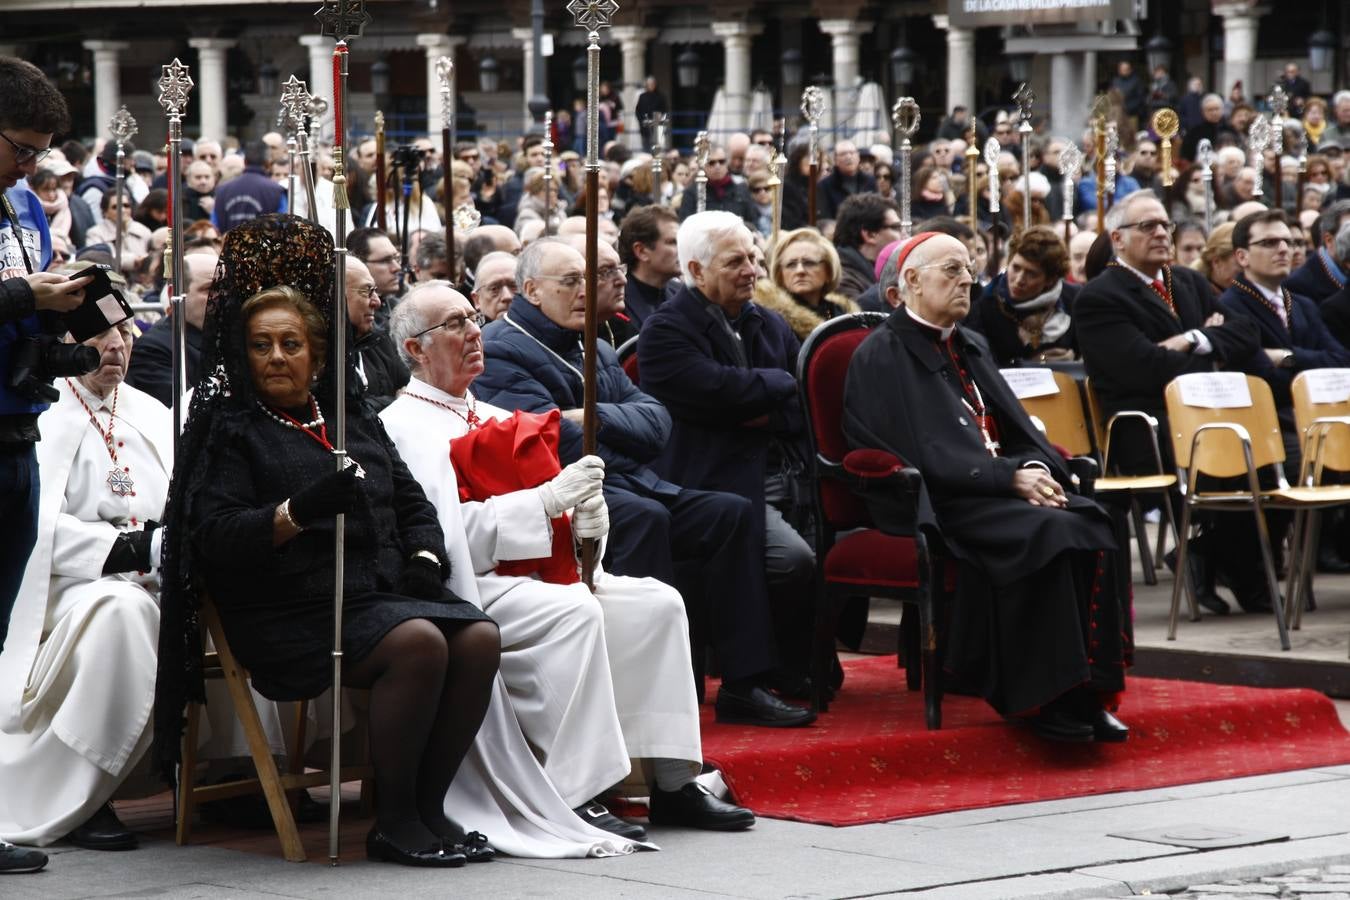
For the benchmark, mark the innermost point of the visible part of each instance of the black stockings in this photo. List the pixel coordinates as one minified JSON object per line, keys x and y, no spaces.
{"x":429,"y":690}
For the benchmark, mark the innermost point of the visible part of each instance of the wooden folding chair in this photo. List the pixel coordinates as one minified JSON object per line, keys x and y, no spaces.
{"x":1232,"y":442}
{"x":1066,"y":425}
{"x":221,"y":663}
{"x":1325,"y":442}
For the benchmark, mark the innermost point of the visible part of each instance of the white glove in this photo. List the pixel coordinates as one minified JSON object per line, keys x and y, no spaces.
{"x":590,"y":518}
{"x":582,"y":479}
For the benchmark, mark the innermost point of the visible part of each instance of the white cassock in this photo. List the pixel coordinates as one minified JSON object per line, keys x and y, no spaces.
{"x":77,"y":675}
{"x":646,"y":632}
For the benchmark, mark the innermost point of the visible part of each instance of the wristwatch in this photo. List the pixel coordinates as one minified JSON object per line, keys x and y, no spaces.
{"x":1288,"y":361}
{"x":1194,"y":337}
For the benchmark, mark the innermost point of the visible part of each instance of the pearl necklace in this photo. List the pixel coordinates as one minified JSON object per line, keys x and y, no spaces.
{"x":313,"y":405}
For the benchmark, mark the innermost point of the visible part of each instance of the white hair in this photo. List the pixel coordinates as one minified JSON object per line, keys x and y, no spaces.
{"x":530,"y":264}
{"x":1230,"y":154}
{"x":494,"y":257}
{"x":410,"y":317}
{"x":699,"y":235}
{"x":1339,"y":96}
{"x":1116,"y":215}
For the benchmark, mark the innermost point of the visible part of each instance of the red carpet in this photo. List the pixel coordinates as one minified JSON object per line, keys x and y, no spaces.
{"x":870,"y":759}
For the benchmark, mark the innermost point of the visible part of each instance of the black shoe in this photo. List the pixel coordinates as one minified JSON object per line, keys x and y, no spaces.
{"x":1202,"y":578}
{"x":1057,"y":721}
{"x":1253,"y":595}
{"x":694,"y":806}
{"x":756,"y":706}
{"x":595,"y":815}
{"x":381,"y":848}
{"x":20,"y":860}
{"x":475,"y":847}
{"x":1107,"y":729}
{"x":103,"y":831}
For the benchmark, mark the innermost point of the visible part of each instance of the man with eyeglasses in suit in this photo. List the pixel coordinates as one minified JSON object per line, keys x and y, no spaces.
{"x":379,"y":369}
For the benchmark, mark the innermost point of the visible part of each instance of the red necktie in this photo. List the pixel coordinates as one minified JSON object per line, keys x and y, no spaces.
{"x":1160,"y":289}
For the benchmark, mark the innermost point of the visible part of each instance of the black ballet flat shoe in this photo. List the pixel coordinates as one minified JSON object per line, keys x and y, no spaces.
{"x":1107,"y":729}
{"x":103,"y":831}
{"x":597,"y":816}
{"x":379,"y":847}
{"x":475,"y":847}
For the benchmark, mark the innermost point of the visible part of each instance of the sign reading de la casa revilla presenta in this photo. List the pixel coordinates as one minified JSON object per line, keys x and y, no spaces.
{"x":977,"y":13}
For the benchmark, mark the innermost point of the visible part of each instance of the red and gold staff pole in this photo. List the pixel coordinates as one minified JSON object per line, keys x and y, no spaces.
{"x":813,"y":107}
{"x":381,"y":217}
{"x":174,"y":86}
{"x":591,"y":15}
{"x":445,"y":83}
{"x":339,"y":19}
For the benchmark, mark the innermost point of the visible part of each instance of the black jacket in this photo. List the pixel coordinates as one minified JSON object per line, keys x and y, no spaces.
{"x":380,"y":367}
{"x":731,"y":197}
{"x":857,"y":272}
{"x":729,"y":398}
{"x":151,"y":366}
{"x":1314,"y":279}
{"x":834,"y":189}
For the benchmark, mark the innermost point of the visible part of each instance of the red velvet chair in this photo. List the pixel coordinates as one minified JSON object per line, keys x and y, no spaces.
{"x":853,"y":557}
{"x":628,"y":359}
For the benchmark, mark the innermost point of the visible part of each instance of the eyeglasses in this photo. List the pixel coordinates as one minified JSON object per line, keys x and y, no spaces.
{"x":455,"y":324}
{"x":24,"y":153}
{"x":952,"y":269}
{"x":762,"y":189}
{"x":368,"y":291}
{"x":1271,"y":243}
{"x":570,"y":282}
{"x":1148,"y":226}
{"x":717,"y":162}
{"x":469,"y":157}
{"x":612,"y":273}
{"x":804,"y":262}
{"x":496,"y":287}
{"x":394,"y":259}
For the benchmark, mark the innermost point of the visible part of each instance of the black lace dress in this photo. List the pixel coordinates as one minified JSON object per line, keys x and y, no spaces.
{"x":276,"y":603}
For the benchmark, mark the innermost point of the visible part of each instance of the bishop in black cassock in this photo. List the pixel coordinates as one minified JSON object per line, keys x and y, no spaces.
{"x":1040,"y":619}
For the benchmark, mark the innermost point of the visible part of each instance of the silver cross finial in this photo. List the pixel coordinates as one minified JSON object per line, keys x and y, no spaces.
{"x":294,"y":102}
{"x":342,"y":19}
{"x":445,"y":72}
{"x":174,"y":86}
{"x":592,"y":14}
{"x":122,"y":126}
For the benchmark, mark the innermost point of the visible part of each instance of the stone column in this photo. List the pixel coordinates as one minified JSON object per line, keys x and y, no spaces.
{"x":526,"y":38}
{"x":211,"y":84}
{"x":320,"y":81}
{"x":435,"y":46}
{"x":633,"y":43}
{"x":107,"y":81}
{"x":1240,"y":22}
{"x":736,"y":44}
{"x":960,"y":66}
{"x":844,"y":35}
{"x":1072,"y":77}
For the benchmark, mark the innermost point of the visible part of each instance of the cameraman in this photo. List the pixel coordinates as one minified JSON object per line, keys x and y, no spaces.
{"x":31,"y":113}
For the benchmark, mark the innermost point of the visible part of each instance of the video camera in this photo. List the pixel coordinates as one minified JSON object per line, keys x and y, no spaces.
{"x":41,"y":358}
{"x":408,"y":157}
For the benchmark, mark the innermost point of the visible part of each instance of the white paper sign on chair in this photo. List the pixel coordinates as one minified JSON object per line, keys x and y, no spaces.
{"x":1215,"y":390}
{"x":1030,"y":382}
{"x":1327,"y":385}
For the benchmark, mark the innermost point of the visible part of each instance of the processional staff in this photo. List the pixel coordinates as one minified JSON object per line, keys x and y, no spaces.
{"x":1070,"y":166}
{"x":1025,"y":98}
{"x":813,"y":107}
{"x":702,"y":147}
{"x":973,"y":179}
{"x":1258,"y":139}
{"x":1279,"y":106}
{"x":1204,"y":158}
{"x":445,"y":81}
{"x":122,"y":126}
{"x":380,"y":174}
{"x":905,"y":118}
{"x":295,"y":102}
{"x":992,"y":150}
{"x":593,"y":15}
{"x":656,"y":122}
{"x":340,"y":19}
{"x":174,"y":86}
{"x":548,"y":172}
{"x":316,"y":108}
{"x":1302,"y":177}
{"x":1100,"y":107}
{"x":1166,"y":125}
{"x":777,"y":168}
{"x":1110,"y":163}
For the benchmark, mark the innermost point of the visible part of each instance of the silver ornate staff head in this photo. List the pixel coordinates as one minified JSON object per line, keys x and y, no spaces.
{"x":445,"y":73}
{"x":702,"y":147}
{"x":341,"y":19}
{"x":905,"y":117}
{"x":1204,"y":158}
{"x":174,"y":86}
{"x":318,"y":107}
{"x":657,"y":123}
{"x":122,"y":126}
{"x":1279,"y":111}
{"x":1109,"y":163}
{"x":1025,"y":98}
{"x":813,"y":105}
{"x":1070,"y":161}
{"x":1258,"y":139}
{"x":294,"y":103}
{"x":592,"y":14}
{"x":992,"y":150}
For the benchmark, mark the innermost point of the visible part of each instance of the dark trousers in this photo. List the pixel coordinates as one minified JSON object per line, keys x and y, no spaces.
{"x":711,"y":536}
{"x":19,"y":512}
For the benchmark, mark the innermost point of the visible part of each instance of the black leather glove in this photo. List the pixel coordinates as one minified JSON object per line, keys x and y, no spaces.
{"x":333,"y":494}
{"x":131,"y":551}
{"x":421,"y":579}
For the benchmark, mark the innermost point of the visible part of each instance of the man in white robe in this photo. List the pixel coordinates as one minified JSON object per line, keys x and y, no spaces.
{"x":646,"y":634}
{"x":77,"y":675}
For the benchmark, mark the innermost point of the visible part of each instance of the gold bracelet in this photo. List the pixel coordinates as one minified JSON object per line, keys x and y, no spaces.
{"x":285,"y":509}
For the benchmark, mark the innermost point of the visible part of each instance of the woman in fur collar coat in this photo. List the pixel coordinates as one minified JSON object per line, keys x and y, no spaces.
{"x":803,"y":276}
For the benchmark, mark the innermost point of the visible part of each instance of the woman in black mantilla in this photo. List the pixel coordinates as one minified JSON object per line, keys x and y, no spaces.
{"x":251,"y":517}
{"x":1040,"y":620}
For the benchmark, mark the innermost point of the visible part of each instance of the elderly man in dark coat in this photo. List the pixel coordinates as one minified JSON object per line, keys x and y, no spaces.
{"x":724,"y":366}
{"x":534,"y":363}
{"x":1140,"y":324}
{"x":1040,"y":621}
